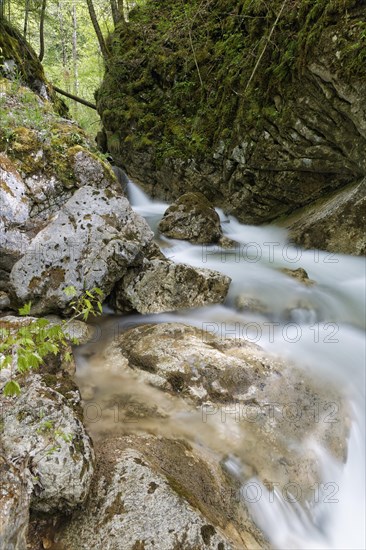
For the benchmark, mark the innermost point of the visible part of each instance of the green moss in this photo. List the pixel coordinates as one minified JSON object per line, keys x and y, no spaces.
{"x":39,"y":141}
{"x":158,"y":94}
{"x":28,"y":69}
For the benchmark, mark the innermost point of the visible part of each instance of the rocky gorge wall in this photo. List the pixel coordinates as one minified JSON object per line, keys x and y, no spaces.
{"x":260,"y":108}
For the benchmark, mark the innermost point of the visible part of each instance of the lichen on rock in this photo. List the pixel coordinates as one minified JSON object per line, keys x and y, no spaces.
{"x":191,"y":218}
{"x":160,"y":285}
{"x":40,"y":429}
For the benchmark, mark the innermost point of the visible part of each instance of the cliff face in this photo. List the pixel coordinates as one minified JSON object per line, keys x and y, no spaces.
{"x":263,"y":109}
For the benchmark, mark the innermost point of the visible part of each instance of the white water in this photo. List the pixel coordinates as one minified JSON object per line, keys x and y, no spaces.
{"x":321,"y":328}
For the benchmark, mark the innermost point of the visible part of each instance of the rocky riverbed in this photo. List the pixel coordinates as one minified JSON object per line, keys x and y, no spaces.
{"x":152,"y":433}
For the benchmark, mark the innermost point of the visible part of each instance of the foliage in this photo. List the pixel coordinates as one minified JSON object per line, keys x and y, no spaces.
{"x":28,"y":346}
{"x":58,"y":59}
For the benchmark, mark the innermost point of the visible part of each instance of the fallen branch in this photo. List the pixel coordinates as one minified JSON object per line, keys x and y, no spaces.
{"x":75,"y":98}
{"x":265,"y":46}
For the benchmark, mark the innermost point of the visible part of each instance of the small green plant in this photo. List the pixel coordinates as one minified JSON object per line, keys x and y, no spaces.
{"x":27,"y":347}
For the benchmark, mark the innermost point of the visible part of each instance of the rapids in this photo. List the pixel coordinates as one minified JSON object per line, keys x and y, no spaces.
{"x":319,"y":327}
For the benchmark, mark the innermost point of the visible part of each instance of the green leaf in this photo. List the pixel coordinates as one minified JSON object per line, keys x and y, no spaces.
{"x":42,"y":323}
{"x":26,"y":342}
{"x":4,"y":333}
{"x":100,"y":307}
{"x":25,"y":310}
{"x":5,"y":361}
{"x":23,"y":362}
{"x":68,"y":357}
{"x":11,"y":388}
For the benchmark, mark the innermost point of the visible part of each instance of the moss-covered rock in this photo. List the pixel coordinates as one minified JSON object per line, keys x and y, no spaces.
{"x":44,"y":159}
{"x":261,"y":109}
{"x":192,"y":218}
{"x":19,"y":62}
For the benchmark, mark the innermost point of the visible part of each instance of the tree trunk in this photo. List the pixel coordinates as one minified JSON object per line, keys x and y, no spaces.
{"x":26,"y":14}
{"x":115,"y":12}
{"x":75,"y":54}
{"x":65,"y":75}
{"x":123,"y":9}
{"x":74,"y":97}
{"x":41,"y":30}
{"x":98,"y":32}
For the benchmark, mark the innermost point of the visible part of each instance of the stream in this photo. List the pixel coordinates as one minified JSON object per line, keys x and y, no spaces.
{"x":319,"y":327}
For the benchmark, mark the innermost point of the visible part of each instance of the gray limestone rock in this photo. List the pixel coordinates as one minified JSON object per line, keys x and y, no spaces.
{"x":141,"y":500}
{"x":14,"y":506}
{"x":192,"y":218}
{"x":336,"y":223}
{"x":91,"y":242}
{"x":161,"y":285}
{"x":41,"y":429}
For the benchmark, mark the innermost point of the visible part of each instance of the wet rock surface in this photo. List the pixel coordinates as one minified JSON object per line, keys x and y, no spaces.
{"x":299,"y":275}
{"x":161,"y":285}
{"x":262,"y":401}
{"x":192,"y":218}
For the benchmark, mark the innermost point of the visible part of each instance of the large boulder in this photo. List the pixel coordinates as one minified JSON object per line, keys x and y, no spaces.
{"x":191,"y":218}
{"x":285,"y":127}
{"x":152,"y":492}
{"x":91,"y":242}
{"x":268,"y":409}
{"x":44,"y":159}
{"x":14,"y":212}
{"x":161,"y":285}
{"x":42,"y":431}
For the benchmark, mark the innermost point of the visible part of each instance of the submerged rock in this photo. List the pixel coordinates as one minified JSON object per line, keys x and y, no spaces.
{"x":268,"y":409}
{"x":192,"y":218}
{"x":162,"y":285}
{"x":299,"y":275}
{"x":250,"y":304}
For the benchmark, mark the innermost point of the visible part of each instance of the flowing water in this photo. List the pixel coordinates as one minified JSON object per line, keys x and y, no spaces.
{"x":320,"y":327}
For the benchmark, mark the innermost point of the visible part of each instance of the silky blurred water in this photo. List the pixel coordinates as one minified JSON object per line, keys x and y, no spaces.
{"x":319,"y":327}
